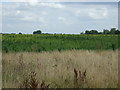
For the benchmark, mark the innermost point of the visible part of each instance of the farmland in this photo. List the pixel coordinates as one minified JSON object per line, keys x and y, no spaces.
{"x":51,"y":42}
{"x":56,"y":58}
{"x":59,"y":44}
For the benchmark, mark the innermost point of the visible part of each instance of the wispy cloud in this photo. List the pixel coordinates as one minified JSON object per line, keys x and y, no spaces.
{"x":18,"y":12}
{"x":52,"y":5}
{"x":32,"y":2}
{"x":42,"y":20}
{"x":98,"y":13}
{"x":62,"y":17}
{"x":44,"y":13}
{"x":63,"y":0}
{"x":64,"y":20}
{"x":29,"y":18}
{"x":77,"y":12}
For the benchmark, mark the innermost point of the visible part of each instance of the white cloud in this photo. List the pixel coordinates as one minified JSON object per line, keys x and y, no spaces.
{"x":98,"y":13}
{"x":70,"y":16}
{"x":29,"y":18}
{"x":42,"y":20}
{"x":44,"y":13}
{"x":61,"y":18}
{"x":63,"y":0}
{"x":77,"y":12}
{"x":10,"y":9}
{"x":33,"y":2}
{"x":53,"y":5}
{"x":64,"y":20}
{"x":18,"y":12}
{"x":35,"y":19}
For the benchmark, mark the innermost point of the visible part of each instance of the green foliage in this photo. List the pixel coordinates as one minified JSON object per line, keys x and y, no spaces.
{"x":37,"y":32}
{"x":105,"y":31}
{"x":50,"y":42}
{"x":112,"y":31}
{"x":91,"y":32}
{"x":20,"y":33}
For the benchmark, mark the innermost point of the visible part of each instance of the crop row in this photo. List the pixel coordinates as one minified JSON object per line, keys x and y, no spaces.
{"x":50,"y":42}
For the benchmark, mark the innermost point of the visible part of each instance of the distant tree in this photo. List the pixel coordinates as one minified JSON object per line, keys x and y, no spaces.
{"x":117,"y":32}
{"x":20,"y":33}
{"x":37,"y":32}
{"x":81,"y":33}
{"x":105,"y":31}
{"x":100,"y":33}
{"x":112,"y":31}
{"x":87,"y":32}
{"x":93,"y":32}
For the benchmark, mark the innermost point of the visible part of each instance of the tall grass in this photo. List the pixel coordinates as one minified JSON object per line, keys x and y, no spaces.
{"x":31,"y":82}
{"x":93,"y":69}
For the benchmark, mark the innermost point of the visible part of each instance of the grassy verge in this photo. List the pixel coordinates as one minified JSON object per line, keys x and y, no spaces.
{"x":58,"y":68}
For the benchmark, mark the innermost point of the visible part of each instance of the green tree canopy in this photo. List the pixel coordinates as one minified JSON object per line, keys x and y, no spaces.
{"x":105,"y":31}
{"x":37,"y":32}
{"x":93,"y":32}
{"x":112,"y":31}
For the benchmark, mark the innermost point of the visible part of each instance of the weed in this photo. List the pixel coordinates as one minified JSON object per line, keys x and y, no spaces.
{"x":21,"y":60}
{"x":79,"y":78}
{"x":32,"y":82}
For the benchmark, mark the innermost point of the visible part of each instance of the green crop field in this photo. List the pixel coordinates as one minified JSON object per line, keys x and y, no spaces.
{"x":51,"y":42}
{"x":60,"y":55}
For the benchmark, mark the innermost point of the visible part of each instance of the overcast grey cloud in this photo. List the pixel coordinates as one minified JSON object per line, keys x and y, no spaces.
{"x":34,"y":2}
{"x":69,"y":17}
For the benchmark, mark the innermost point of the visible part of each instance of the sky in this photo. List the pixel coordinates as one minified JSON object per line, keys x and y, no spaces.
{"x":58,"y":17}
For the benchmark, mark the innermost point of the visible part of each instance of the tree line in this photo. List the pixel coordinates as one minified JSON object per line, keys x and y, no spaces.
{"x":105,"y":31}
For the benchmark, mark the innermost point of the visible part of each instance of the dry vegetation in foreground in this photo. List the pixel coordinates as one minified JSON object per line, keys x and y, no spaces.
{"x":0,"y":70}
{"x":65,"y":69}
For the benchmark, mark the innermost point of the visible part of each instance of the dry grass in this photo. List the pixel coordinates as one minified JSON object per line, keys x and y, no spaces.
{"x":0,"y":61}
{"x":57,"y":68}
{"x":32,"y":82}
{"x":0,"y":70}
